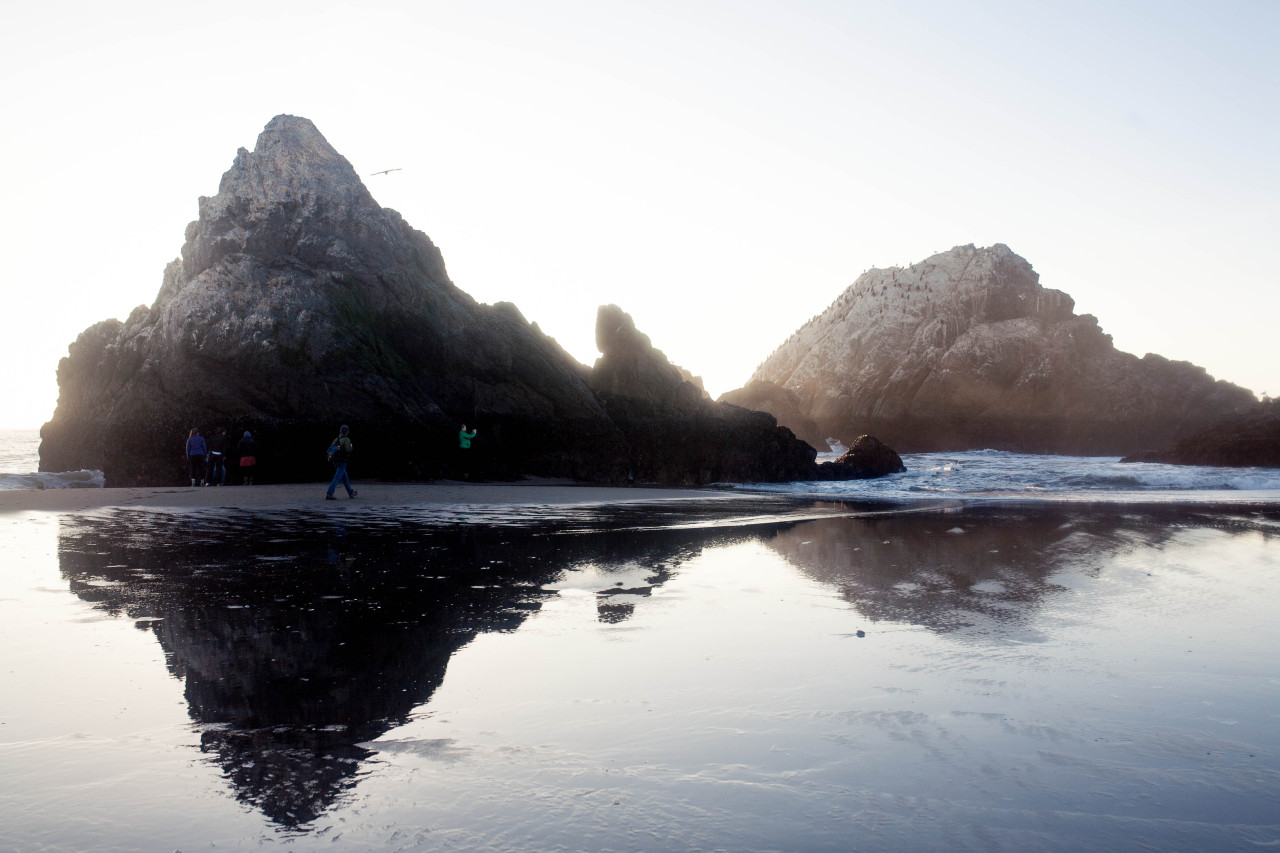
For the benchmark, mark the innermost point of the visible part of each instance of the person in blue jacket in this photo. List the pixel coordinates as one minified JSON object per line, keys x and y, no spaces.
{"x":197,"y":452}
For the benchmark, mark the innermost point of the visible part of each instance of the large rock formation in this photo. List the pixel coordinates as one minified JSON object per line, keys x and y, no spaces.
{"x":299,"y":304}
{"x":967,"y":350}
{"x":1242,"y":440}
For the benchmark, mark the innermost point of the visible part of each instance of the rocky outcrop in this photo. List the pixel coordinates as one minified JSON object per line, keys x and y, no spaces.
{"x":1246,"y":440}
{"x":783,"y":403}
{"x":299,"y":304}
{"x":867,"y":458}
{"x":967,"y":350}
{"x":674,"y":433}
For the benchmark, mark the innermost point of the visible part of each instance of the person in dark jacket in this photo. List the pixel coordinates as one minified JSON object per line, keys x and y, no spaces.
{"x":197,"y":450}
{"x":247,"y":449}
{"x":218,"y":446}
{"x":341,"y":453}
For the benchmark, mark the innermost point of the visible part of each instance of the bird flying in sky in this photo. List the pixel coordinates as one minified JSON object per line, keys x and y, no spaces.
{"x":384,"y":172}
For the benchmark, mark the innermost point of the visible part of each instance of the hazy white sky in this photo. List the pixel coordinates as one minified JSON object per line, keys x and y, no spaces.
{"x":721,"y":170}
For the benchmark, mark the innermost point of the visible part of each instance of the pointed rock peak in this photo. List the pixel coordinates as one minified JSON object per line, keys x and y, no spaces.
{"x":630,"y":366}
{"x":294,"y":198}
{"x":616,"y":333}
{"x":290,"y":159}
{"x":285,"y":126}
{"x":296,"y":140}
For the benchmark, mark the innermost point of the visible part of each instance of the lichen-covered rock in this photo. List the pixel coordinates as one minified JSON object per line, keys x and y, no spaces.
{"x":967,"y":350}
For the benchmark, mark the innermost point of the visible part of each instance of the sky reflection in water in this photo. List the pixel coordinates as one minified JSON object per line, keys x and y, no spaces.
{"x":1044,"y":678}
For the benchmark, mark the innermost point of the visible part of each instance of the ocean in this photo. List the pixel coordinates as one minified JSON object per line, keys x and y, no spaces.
{"x":20,"y":457}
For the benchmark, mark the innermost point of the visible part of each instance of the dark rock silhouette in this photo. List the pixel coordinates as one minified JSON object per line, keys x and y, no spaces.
{"x":869,"y":457}
{"x":783,"y":403}
{"x":677,"y":435}
{"x":298,"y":304}
{"x":1244,"y":440}
{"x":967,"y":350}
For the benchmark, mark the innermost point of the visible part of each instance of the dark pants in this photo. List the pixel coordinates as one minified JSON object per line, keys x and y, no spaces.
{"x":196,"y":464}
{"x":217,"y":468}
{"x":340,"y":476}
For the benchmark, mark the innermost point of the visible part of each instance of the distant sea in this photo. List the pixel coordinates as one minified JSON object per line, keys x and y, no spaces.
{"x":994,"y":475}
{"x":20,"y":459}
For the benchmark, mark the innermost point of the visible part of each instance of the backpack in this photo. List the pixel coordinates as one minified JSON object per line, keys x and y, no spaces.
{"x":336,"y":452}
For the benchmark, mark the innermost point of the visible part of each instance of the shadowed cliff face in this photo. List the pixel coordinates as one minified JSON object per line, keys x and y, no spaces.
{"x":299,"y":304}
{"x":1247,"y":439}
{"x":967,"y":350}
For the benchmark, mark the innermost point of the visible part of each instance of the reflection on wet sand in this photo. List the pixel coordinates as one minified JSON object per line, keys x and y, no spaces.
{"x":953,"y":570}
{"x":299,"y":639}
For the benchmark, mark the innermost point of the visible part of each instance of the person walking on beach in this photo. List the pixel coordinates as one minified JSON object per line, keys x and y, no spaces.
{"x":197,"y":450}
{"x":218,"y":458}
{"x":247,"y":450}
{"x":339,"y":453}
{"x":464,"y":451}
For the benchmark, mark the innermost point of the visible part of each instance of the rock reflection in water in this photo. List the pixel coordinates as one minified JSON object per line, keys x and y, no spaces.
{"x":950,"y":570}
{"x":298,"y":640}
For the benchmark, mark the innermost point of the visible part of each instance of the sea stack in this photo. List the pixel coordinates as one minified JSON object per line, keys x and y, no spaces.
{"x":967,"y":350}
{"x":299,"y":304}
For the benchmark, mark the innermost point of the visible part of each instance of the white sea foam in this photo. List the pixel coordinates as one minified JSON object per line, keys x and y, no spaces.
{"x":63,"y":480}
{"x":998,"y":474}
{"x":20,"y":457}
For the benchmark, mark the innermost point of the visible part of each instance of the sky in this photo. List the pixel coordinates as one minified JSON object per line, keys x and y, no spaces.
{"x":720,"y":170}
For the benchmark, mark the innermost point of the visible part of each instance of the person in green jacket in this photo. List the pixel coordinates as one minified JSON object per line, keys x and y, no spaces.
{"x":464,"y":451}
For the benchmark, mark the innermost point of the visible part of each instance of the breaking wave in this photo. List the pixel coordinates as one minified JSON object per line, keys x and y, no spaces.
{"x":65,"y":480}
{"x":20,"y":451}
{"x":999,"y":474}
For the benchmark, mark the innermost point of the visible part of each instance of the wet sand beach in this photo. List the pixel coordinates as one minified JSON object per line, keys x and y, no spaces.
{"x":543,"y":665}
{"x":549,"y":492}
